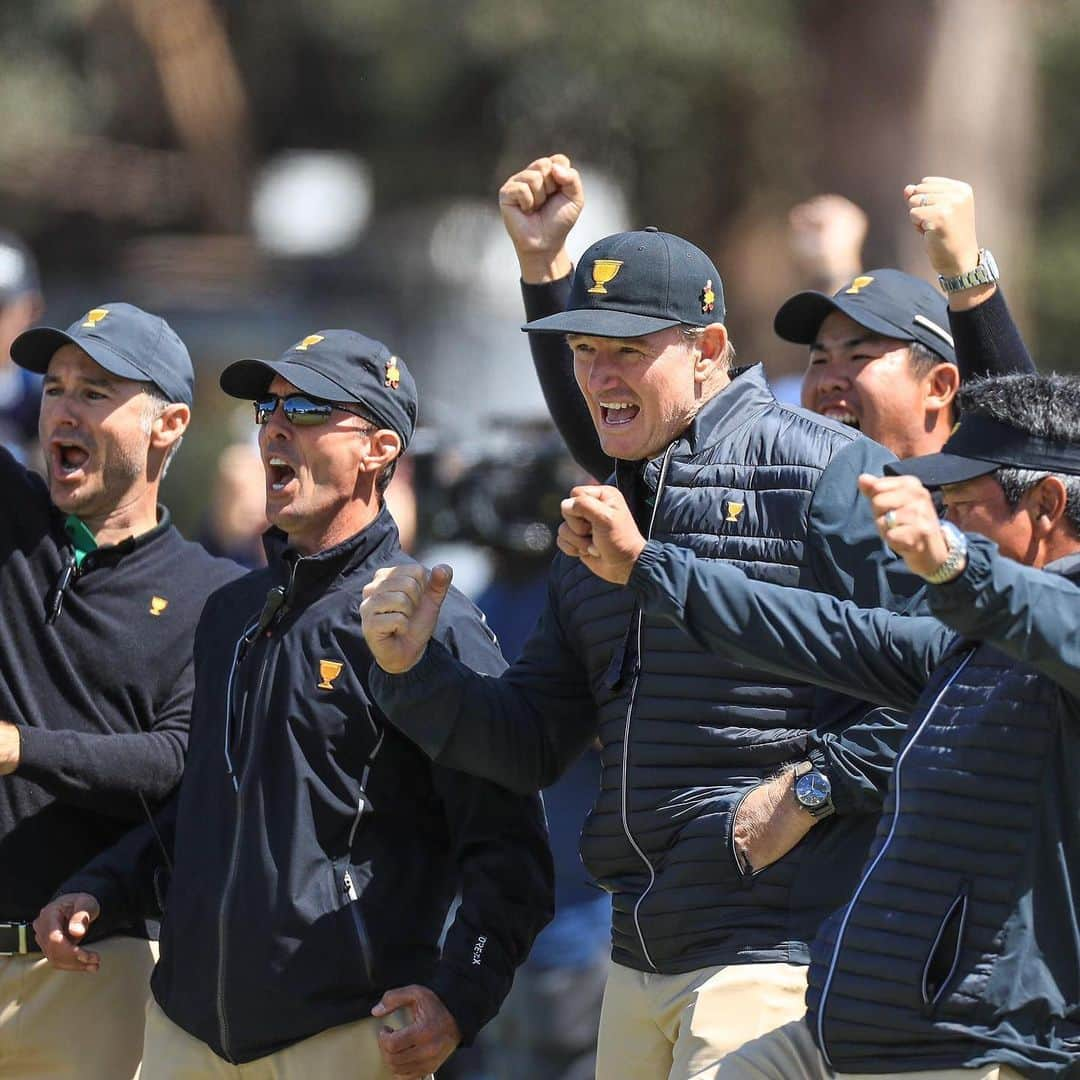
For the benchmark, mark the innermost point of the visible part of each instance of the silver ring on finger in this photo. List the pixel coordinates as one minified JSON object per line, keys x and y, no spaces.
{"x":889,"y":519}
{"x":924,"y":199}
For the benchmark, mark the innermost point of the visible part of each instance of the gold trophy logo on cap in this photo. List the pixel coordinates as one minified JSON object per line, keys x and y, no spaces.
{"x":603,"y":271}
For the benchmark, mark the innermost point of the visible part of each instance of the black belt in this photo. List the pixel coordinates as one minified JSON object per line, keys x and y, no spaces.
{"x":17,"y":939}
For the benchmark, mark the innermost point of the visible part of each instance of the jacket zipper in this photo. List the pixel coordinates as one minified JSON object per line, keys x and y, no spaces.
{"x":230,"y":875}
{"x":352,"y":896}
{"x":626,"y":736}
{"x":827,"y":985}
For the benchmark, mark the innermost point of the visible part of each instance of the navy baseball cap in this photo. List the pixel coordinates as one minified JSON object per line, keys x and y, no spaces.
{"x":18,"y":268}
{"x":124,"y":340}
{"x":337,"y":365}
{"x":887,"y":302}
{"x":636,"y":283}
{"x":979,"y":445}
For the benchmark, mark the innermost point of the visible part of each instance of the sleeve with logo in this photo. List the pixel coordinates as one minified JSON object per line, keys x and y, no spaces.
{"x":506,"y":876}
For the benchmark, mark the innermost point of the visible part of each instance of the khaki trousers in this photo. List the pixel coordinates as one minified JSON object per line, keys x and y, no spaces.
{"x":678,"y":1027}
{"x":789,"y":1053}
{"x":71,"y":1025}
{"x":349,"y":1050}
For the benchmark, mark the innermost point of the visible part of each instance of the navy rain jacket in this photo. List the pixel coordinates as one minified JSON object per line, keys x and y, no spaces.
{"x":315,"y":850}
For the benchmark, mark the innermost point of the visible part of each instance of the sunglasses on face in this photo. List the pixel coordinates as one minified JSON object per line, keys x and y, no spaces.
{"x":301,"y":410}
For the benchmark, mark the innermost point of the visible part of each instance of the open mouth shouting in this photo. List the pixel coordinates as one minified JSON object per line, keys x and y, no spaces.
{"x":67,"y":460}
{"x":280,"y":475}
{"x":617,"y":413}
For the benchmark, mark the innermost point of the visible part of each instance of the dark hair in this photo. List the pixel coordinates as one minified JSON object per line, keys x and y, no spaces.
{"x":1047,"y":406}
{"x":923,"y":359}
{"x":386,"y":474}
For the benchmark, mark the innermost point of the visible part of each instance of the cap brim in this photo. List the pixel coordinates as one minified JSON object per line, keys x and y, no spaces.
{"x":799,"y":318}
{"x":600,"y":323}
{"x":33,"y":349}
{"x":250,"y":379}
{"x":937,"y":470}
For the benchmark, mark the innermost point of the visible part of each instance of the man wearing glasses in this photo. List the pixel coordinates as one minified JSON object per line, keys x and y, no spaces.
{"x":315,"y":851}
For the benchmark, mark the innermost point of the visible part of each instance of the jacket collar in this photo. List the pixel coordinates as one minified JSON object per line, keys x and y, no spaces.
{"x":747,"y":395}
{"x":308,"y":574}
{"x":111,"y":554}
{"x":1067,"y":566}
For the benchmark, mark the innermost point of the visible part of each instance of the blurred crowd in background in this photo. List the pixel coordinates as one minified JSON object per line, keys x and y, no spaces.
{"x":257,"y":171}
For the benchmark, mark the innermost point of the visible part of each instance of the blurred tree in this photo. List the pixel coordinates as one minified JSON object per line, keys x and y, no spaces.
{"x":1055,"y":269}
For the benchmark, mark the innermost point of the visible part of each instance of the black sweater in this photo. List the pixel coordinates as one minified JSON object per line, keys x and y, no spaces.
{"x":101,"y":695}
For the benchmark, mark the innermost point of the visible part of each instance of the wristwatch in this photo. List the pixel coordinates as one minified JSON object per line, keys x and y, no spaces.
{"x":985,"y":273}
{"x":956,"y":560}
{"x":813,"y":792}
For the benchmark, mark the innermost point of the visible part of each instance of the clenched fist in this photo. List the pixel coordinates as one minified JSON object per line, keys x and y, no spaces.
{"x":907,"y":520}
{"x":599,"y":529}
{"x":943,"y":211}
{"x":539,"y":206}
{"x":400,"y":609}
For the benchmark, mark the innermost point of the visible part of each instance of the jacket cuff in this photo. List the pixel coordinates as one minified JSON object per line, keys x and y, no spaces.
{"x":113,"y":916}
{"x":960,"y":593}
{"x":648,"y":580}
{"x":33,"y":749}
{"x":842,"y":801}
{"x":470,"y":1004}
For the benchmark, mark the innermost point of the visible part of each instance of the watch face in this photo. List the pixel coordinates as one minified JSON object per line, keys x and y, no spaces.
{"x":813,"y":790}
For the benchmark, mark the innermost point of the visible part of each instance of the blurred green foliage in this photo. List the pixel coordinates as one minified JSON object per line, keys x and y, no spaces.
{"x":1054,"y":294}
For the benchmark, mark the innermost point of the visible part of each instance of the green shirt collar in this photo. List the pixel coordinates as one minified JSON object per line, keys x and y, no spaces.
{"x":82,"y":539}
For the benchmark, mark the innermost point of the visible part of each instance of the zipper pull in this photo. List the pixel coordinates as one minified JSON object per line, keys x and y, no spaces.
{"x":350,"y":888}
{"x":67,"y":576}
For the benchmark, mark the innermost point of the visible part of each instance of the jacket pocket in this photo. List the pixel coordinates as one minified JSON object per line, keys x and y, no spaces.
{"x":349,"y":883}
{"x":744,"y":871}
{"x":944,"y":956}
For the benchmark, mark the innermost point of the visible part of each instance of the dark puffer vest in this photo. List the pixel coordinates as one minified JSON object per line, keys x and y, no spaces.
{"x":685,"y":733}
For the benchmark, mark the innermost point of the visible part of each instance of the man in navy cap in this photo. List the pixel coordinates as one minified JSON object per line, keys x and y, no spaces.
{"x":881,"y":358}
{"x":958,"y":952}
{"x":719,"y":874}
{"x":887,"y":353}
{"x":315,"y":851}
{"x":100,"y":596}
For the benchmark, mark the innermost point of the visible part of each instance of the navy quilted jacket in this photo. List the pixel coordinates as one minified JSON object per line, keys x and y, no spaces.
{"x":960,"y":946}
{"x":686,"y":733}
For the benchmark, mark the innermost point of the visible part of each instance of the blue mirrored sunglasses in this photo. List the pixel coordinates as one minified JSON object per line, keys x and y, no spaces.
{"x":302,"y":410}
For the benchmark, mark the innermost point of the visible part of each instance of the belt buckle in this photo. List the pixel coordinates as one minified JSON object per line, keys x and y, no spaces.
{"x":23,"y":949}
